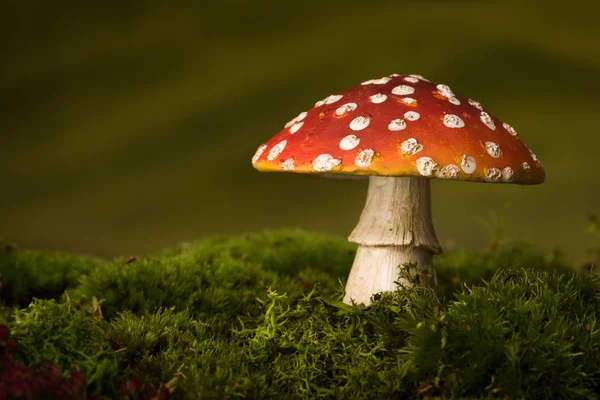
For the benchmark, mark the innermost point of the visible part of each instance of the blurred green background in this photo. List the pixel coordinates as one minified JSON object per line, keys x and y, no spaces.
{"x":127,"y":127}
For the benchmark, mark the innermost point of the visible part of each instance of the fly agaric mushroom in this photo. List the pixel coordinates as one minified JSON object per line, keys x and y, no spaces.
{"x":402,"y":131}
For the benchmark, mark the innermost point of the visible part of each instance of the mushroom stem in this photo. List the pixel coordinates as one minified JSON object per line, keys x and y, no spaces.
{"x":395,"y":228}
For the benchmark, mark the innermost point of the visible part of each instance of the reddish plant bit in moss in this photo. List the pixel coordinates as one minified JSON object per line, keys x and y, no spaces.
{"x":134,"y":389}
{"x":4,"y":333}
{"x":131,"y":386}
{"x":130,"y":259}
{"x":11,"y":346}
{"x":19,"y":381}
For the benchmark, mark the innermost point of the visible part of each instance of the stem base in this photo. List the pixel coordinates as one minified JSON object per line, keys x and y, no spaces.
{"x":377,"y":268}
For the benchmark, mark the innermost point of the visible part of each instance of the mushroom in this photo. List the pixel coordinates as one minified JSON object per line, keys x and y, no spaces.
{"x":401,"y":132}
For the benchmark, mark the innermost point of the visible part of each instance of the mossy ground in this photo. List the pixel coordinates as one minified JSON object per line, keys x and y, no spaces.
{"x":260,"y":316}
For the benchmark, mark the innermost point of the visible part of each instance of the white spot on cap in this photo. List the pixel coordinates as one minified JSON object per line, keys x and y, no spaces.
{"x":476,"y":104}
{"x":301,"y":116}
{"x":468,"y":164}
{"x":426,"y":165}
{"x":397,"y":125}
{"x":349,"y":142}
{"x":449,"y":171}
{"x":453,"y":121}
{"x":419,"y":77}
{"x":411,"y":79}
{"x":526,"y":166}
{"x":487,"y":120}
{"x":333,"y":98}
{"x":359,"y":123}
{"x":380,"y":81}
{"x":410,"y":147}
{"x":288,"y":165}
{"x":493,"y":175}
{"x":364,"y":158}
{"x":329,"y":100}
{"x":534,"y":156}
{"x":402,"y":90}
{"x":408,"y":100}
{"x":493,"y":149}
{"x":510,"y":129}
{"x":258,"y":153}
{"x":508,"y":174}
{"x":412,"y":115}
{"x":295,"y":127}
{"x":297,"y":119}
{"x":276,"y":150}
{"x":346,"y":108}
{"x":325,"y":162}
{"x":445,"y":90}
{"x":378,"y":98}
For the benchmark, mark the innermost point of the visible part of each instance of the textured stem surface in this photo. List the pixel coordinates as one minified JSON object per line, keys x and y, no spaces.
{"x":375,"y":270}
{"x":395,"y":227}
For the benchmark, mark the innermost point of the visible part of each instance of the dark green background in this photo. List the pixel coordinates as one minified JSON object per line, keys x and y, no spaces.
{"x":126,"y":128}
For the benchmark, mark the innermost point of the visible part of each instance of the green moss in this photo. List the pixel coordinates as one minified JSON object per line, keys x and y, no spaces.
{"x":259,"y":316}
{"x":169,"y":346}
{"x":221,"y":277}
{"x":535,"y":332}
{"x":455,"y":269}
{"x":69,"y":338}
{"x":526,"y":334}
{"x":26,"y":274}
{"x":284,"y":252}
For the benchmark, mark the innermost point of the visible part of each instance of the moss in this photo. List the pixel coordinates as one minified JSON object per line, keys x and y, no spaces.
{"x":67,"y":337}
{"x":525,"y":334}
{"x":259,"y":316}
{"x":26,"y":274}
{"x":458,"y":268}
{"x":284,"y":252}
{"x":169,"y":346}
{"x":221,"y":276}
{"x":534,"y":332}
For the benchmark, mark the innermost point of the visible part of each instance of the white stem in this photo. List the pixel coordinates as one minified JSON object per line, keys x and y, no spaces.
{"x":395,"y":227}
{"x":375,"y":270}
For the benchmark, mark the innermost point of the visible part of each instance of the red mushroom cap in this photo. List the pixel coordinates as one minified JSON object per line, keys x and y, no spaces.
{"x":401,"y":126}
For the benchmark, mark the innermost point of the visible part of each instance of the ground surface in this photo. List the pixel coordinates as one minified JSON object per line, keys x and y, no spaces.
{"x":259,"y":316}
